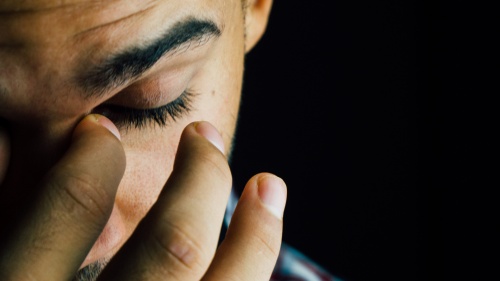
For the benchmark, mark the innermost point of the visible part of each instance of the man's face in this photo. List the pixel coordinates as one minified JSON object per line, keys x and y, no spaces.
{"x":140,"y":63}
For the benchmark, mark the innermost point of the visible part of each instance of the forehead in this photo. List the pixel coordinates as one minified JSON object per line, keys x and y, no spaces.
{"x":41,"y":4}
{"x":47,"y":21}
{"x":45,"y":5}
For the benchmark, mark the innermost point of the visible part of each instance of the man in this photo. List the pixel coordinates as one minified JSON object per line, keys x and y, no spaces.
{"x":117,"y":122}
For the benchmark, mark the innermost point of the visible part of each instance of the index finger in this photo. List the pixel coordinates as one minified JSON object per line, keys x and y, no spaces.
{"x":76,"y":201}
{"x":178,"y":237}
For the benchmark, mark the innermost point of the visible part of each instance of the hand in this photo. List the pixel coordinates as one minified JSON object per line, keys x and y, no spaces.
{"x":177,"y":240}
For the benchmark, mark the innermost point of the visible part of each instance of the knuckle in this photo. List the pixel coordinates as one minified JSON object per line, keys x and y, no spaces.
{"x":219,"y":168}
{"x":174,"y":245}
{"x":80,"y":195}
{"x":268,"y":244}
{"x":200,"y":157}
{"x":216,"y":164}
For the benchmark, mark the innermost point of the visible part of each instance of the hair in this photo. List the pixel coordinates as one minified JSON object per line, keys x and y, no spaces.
{"x":245,"y":4}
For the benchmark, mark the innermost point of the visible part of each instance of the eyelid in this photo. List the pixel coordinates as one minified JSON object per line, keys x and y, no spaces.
{"x":126,"y":118}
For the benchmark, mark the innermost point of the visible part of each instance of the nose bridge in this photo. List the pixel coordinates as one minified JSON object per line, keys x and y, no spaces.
{"x":41,"y":111}
{"x":34,"y":150}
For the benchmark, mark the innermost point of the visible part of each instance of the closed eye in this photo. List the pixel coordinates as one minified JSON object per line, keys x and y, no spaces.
{"x":128,"y":117}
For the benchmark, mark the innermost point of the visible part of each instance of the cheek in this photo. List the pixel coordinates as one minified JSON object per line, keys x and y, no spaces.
{"x":151,"y":153}
{"x":221,"y":100}
{"x":226,"y":121}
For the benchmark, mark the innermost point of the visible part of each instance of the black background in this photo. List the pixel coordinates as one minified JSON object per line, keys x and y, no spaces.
{"x":365,"y":109}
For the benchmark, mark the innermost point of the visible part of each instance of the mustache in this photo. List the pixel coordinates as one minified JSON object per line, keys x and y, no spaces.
{"x":91,"y":271}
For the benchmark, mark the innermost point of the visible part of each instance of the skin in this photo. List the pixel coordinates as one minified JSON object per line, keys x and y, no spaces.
{"x":78,"y":191}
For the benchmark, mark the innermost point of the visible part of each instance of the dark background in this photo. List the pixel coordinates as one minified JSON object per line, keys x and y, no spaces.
{"x":365,"y":109}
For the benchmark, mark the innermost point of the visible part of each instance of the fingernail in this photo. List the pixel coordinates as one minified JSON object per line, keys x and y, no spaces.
{"x":210,"y":133}
{"x":106,"y":123}
{"x":272,"y":191}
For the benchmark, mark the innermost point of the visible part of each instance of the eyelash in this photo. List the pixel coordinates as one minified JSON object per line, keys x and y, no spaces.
{"x":127,"y":117}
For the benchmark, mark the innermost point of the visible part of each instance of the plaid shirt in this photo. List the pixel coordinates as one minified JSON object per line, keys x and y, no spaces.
{"x":291,"y":265}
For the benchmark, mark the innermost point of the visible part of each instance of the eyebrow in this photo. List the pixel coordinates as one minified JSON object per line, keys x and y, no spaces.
{"x":130,"y":63}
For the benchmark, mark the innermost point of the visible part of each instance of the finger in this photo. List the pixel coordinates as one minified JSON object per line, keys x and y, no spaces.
{"x":178,"y":237}
{"x":252,"y":243}
{"x":4,"y":152}
{"x":76,"y":201}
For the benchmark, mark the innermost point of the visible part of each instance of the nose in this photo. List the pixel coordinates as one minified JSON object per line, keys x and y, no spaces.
{"x":34,"y":148}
